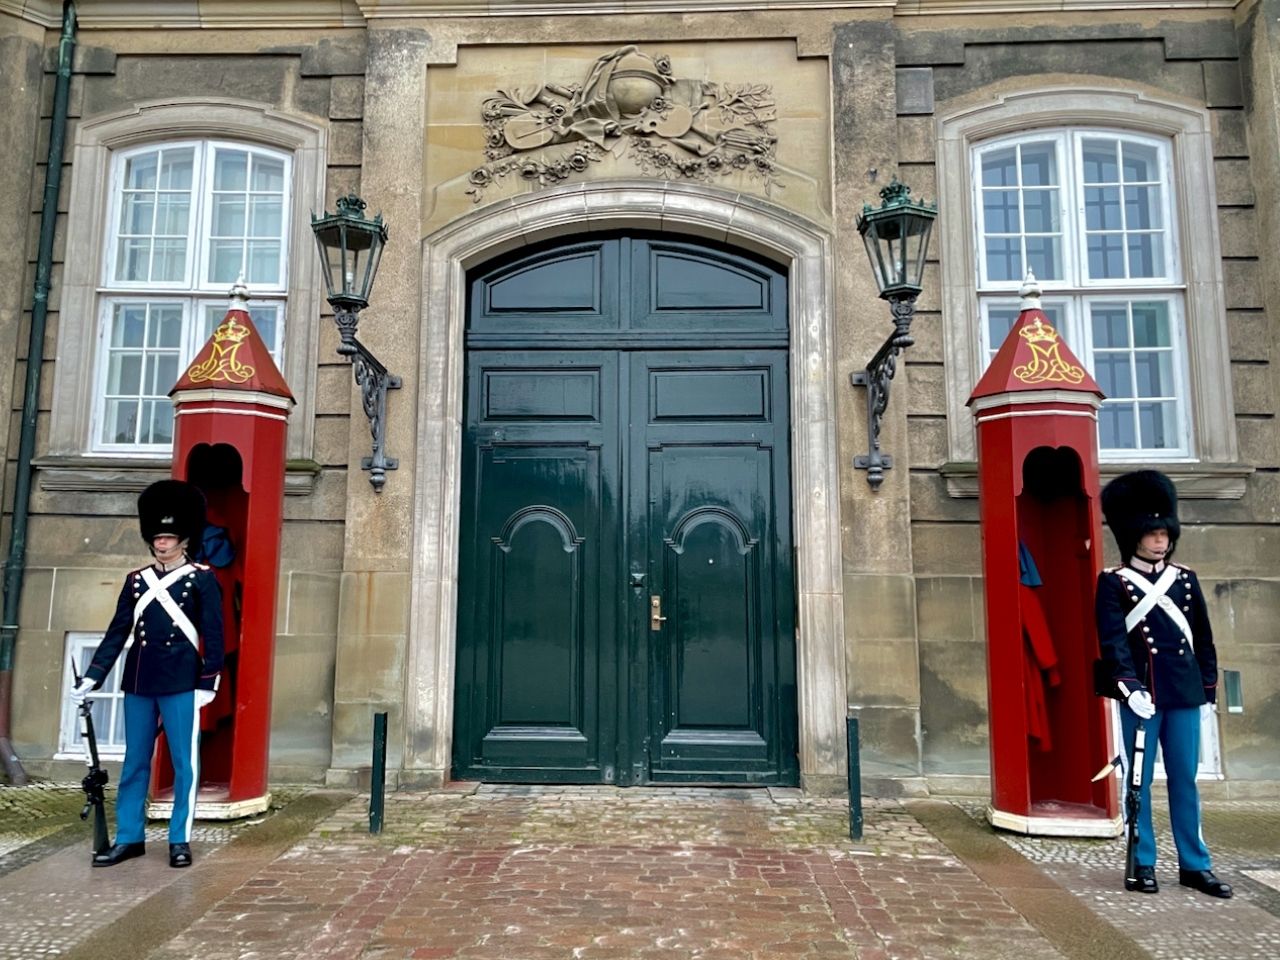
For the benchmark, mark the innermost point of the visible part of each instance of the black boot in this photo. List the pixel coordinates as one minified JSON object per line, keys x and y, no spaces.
{"x":179,"y":854}
{"x":119,"y":853}
{"x":1144,"y":880}
{"x":1205,"y":882}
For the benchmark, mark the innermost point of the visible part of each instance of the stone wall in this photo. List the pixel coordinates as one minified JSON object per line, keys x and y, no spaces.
{"x":859,"y":96}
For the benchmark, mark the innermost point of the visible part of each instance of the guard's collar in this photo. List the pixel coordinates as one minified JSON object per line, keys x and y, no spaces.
{"x":1143,"y":566}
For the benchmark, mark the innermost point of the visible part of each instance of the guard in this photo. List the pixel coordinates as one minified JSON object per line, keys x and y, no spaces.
{"x":168,"y":622}
{"x":1157,"y":646}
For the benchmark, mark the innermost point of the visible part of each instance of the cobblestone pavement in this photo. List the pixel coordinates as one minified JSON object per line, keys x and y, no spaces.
{"x":50,"y":901}
{"x":1244,"y":837}
{"x":527,"y":873}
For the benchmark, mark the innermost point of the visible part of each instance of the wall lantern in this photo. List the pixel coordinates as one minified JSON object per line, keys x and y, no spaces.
{"x":896,"y":236}
{"x":350,"y":248}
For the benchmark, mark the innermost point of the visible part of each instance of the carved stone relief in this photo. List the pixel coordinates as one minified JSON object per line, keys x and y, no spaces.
{"x":629,"y":103}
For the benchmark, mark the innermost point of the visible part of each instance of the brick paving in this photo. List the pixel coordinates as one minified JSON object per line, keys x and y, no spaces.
{"x":527,"y":873}
{"x":580,"y":873}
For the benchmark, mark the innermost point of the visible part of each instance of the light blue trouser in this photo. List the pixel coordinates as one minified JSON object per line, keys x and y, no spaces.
{"x":1178,"y":733}
{"x":182,"y":729}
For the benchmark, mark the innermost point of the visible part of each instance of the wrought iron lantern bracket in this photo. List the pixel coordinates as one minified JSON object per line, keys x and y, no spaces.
{"x":350,"y":248}
{"x":374,"y":381}
{"x":877,"y":378}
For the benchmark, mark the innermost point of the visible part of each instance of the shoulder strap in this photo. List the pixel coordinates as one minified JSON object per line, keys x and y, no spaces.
{"x":1153,"y":594}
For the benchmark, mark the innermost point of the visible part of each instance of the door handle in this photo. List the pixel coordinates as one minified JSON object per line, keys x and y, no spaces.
{"x":656,"y":619}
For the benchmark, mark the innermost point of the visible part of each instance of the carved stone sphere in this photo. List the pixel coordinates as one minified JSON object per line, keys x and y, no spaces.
{"x":635,"y":83}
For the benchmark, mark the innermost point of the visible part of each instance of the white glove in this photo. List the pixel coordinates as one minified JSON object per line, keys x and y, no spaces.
{"x":1140,"y":703}
{"x":204,"y":698}
{"x":81,"y":690}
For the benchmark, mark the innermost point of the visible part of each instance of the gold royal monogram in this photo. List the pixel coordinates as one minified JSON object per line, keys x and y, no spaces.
{"x":222,"y":363}
{"x":1045,"y":365}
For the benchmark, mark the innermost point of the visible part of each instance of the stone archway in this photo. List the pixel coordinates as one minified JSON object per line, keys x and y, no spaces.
{"x":655,"y":205}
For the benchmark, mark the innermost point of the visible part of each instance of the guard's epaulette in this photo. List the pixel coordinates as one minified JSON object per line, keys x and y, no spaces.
{"x":134,"y":573}
{"x":1115,"y":569}
{"x":201,"y":566}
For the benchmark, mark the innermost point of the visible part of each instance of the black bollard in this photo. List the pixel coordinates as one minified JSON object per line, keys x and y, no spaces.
{"x":855,"y":780}
{"x":378,"y":787}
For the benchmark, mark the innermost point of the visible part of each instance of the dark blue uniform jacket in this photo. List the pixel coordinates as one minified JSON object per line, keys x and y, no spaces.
{"x":1155,"y":655}
{"x":161,"y":659}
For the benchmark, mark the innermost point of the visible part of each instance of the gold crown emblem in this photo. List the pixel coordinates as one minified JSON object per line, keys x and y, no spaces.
{"x":1038,"y":332}
{"x":230,"y":330}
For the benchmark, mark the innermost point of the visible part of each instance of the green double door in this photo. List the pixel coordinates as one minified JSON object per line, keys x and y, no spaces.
{"x":626,"y":609}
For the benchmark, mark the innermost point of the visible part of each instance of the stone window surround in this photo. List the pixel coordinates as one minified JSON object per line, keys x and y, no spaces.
{"x":95,"y":141}
{"x":1216,"y":474}
{"x":753,"y":224}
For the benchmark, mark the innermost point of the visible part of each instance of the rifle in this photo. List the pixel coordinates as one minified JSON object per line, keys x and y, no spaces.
{"x":1132,"y":806}
{"x":95,"y":782}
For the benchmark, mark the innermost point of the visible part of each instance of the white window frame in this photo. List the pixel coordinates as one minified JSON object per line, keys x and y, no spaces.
{"x":72,"y":417}
{"x":71,"y":743}
{"x":196,"y":276}
{"x":1213,"y":469}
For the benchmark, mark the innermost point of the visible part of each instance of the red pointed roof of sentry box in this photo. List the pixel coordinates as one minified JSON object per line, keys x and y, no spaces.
{"x":1033,"y":356}
{"x":235,"y":357}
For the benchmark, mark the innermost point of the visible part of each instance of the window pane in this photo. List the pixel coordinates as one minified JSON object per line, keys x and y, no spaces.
{"x":169,"y":264}
{"x":1044,"y":256}
{"x":230,"y":170}
{"x":175,"y":169}
{"x":267,"y":217}
{"x":120,"y":422}
{"x":129,"y":325}
{"x":1146,"y":255}
{"x":161,"y":422}
{"x":1000,"y":321}
{"x":264,"y":261}
{"x":166,"y":326}
{"x":1142,"y":208}
{"x":1000,"y":211}
{"x":133,"y":260}
{"x":1116,"y":427}
{"x":999,"y":168}
{"x":136,"y":213}
{"x":1040,"y":210}
{"x":228,"y":215}
{"x":124,"y":373}
{"x":1004,"y":259}
{"x":1100,"y":164}
{"x":1141,"y":163}
{"x":226,"y":260}
{"x":268,"y":175}
{"x":1110,"y":327}
{"x":1102,"y":208}
{"x":1154,"y":372}
{"x":1039,"y":168}
{"x":172,"y":214}
{"x":1151,"y":324}
{"x":1113,"y":374}
{"x":264,"y":318}
{"x":1106,"y":256}
{"x":1158,"y":423}
{"x":140,"y":171}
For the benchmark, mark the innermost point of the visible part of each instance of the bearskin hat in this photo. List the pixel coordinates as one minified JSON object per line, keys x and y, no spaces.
{"x":171,"y":507}
{"x":1139,"y":503}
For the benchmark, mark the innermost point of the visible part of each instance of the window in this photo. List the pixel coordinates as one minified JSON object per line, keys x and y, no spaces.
{"x":1090,"y":212}
{"x":186,"y":220}
{"x":1100,"y":192}
{"x":108,"y":704}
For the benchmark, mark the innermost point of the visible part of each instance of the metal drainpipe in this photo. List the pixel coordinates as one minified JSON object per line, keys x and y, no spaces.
{"x":15,"y":566}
